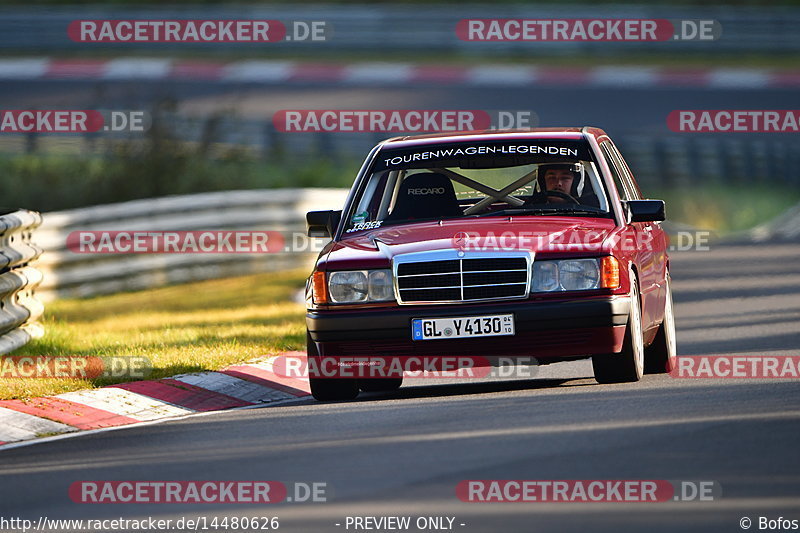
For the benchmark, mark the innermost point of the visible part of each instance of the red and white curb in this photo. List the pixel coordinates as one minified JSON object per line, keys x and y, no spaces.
{"x":146,"y":401}
{"x":270,"y":71}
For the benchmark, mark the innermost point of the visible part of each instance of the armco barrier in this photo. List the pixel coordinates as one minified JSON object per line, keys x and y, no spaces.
{"x":19,"y":308}
{"x":70,"y":274}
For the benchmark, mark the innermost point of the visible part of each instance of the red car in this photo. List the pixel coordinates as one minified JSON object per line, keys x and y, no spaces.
{"x":491,"y":245}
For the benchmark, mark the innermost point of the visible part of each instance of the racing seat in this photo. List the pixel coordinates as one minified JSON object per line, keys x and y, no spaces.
{"x":590,"y":199}
{"x":427,"y":195}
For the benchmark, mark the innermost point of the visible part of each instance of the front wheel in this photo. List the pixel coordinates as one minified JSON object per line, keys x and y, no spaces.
{"x":628,"y":365}
{"x":329,"y":389}
{"x":333,"y":389}
{"x":659,"y":357}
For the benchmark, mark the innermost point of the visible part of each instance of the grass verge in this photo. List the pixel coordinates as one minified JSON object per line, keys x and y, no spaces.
{"x":74,"y":182}
{"x":183,"y":328}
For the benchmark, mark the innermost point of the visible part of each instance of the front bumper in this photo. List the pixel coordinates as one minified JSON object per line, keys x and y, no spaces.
{"x":544,"y":329}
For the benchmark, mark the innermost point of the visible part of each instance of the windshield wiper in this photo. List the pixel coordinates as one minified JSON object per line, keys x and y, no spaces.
{"x":549,"y":210}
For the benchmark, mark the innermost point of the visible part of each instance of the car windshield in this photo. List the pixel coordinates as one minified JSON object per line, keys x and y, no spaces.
{"x":479,"y":179}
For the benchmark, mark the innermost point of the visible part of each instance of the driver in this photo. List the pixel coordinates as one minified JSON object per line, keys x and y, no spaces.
{"x":560,"y":178}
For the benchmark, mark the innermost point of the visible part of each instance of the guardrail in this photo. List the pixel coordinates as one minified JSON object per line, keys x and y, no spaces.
{"x":19,"y":307}
{"x":72,"y":274}
{"x":61,"y":272}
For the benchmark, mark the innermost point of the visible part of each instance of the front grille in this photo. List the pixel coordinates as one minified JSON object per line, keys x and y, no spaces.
{"x":493,"y":291}
{"x":461,"y":280}
{"x":430,"y":295}
{"x":429,"y":281}
{"x":512,"y":276}
{"x":428,"y":267}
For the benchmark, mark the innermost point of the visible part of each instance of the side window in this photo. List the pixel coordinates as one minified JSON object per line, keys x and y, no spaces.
{"x":627,"y":175}
{"x":619,"y":182}
{"x":367,"y":209}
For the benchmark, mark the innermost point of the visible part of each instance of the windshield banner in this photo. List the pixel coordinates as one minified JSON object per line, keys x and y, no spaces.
{"x":483,"y":154}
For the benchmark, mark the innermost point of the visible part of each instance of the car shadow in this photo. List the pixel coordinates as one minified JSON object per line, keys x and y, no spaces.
{"x":466,"y":389}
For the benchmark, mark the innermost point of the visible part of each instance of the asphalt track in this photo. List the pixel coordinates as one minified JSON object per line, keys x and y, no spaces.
{"x":402,"y":454}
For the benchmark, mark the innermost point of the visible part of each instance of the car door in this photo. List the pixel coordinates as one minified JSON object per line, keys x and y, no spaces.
{"x":648,"y":239}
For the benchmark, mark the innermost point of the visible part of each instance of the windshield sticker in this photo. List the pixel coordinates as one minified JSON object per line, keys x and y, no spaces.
{"x":475,"y":153}
{"x":359,"y":217}
{"x":482,"y":150}
{"x":359,"y":226}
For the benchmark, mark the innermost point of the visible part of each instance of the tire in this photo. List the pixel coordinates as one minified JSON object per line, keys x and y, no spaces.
{"x":380,"y":384}
{"x":659,"y":357}
{"x":628,"y":365}
{"x":329,"y":389}
{"x":333,"y":389}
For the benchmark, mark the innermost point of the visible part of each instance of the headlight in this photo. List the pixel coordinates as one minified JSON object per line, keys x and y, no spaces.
{"x":545,"y":276}
{"x":380,"y":285}
{"x":359,"y":286}
{"x":348,"y":287}
{"x":579,"y":275}
{"x":575,"y":274}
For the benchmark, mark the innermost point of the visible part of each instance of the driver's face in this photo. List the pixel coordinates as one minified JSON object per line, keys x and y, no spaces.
{"x":559,"y":180}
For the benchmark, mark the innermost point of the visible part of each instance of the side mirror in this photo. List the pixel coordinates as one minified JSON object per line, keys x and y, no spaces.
{"x":322,"y":223}
{"x":646,"y":211}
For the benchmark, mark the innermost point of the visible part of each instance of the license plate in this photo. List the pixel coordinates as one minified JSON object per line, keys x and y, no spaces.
{"x":426,"y":329}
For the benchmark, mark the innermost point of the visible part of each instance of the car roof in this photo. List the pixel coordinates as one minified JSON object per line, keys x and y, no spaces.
{"x":571,"y":133}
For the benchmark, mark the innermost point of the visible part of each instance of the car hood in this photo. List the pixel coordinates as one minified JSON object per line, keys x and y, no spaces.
{"x":541,"y":234}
